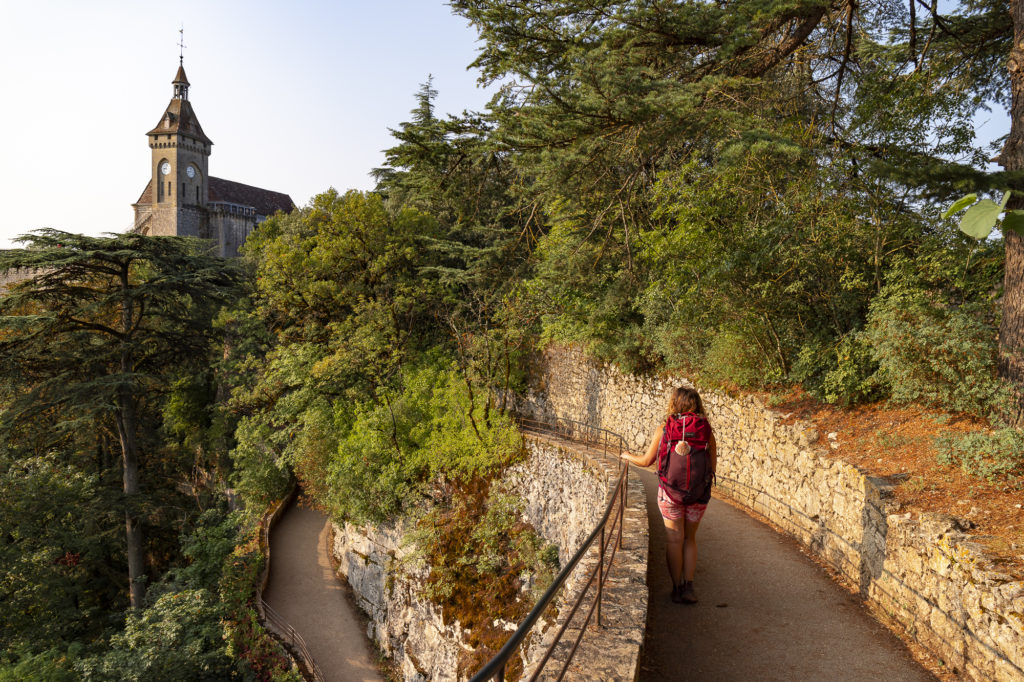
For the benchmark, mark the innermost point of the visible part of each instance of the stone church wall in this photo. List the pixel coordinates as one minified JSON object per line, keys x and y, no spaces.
{"x":17,"y":275}
{"x":922,"y":575}
{"x":230,"y":231}
{"x":170,"y":220}
{"x":565,"y":495}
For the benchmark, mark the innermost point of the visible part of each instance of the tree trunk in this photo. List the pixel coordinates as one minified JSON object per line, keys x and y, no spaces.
{"x":126,"y":428}
{"x":1011,"y":328}
{"x":133,"y":525}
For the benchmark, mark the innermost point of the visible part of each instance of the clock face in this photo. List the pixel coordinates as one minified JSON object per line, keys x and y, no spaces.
{"x":165,"y":168}
{"x":190,"y":171}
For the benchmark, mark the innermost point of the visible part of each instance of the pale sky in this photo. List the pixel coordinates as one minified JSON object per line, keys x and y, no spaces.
{"x":297,"y":96}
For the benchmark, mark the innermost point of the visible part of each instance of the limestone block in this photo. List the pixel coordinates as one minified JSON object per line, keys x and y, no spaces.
{"x":1007,"y":671}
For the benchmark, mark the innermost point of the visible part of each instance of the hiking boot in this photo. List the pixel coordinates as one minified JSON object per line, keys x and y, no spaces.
{"x":677,"y":594}
{"x":686,"y":594}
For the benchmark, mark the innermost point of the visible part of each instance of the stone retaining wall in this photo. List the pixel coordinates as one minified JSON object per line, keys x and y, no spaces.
{"x":613,"y":651}
{"x":565,"y":495}
{"x":923,"y":575}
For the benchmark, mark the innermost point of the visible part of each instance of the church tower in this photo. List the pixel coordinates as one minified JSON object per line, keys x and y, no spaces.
{"x":182,"y":199}
{"x":179,"y":167}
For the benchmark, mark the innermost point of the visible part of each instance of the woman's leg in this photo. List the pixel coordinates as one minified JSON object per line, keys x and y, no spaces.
{"x":674,"y":549}
{"x":689,"y":553}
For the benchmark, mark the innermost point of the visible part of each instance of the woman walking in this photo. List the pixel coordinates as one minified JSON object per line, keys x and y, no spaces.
{"x":687,"y":455}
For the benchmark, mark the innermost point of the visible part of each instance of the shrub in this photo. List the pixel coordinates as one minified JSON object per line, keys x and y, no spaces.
{"x":46,"y":666}
{"x":261,"y":473}
{"x":256,"y":653}
{"x":935,"y":353}
{"x":486,"y":565}
{"x":995,"y":455}
{"x":852,"y":378}
{"x":733,"y":357}
{"x":179,"y":637}
{"x":434,"y":427}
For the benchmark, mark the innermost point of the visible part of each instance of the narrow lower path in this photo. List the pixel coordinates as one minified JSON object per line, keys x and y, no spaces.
{"x":304,"y":591}
{"x":766,"y":612}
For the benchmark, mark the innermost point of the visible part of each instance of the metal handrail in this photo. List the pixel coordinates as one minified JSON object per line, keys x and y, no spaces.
{"x":598,"y":437}
{"x":291,"y":636}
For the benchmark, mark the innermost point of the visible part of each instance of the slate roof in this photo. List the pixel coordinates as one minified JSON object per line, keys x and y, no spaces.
{"x":263,"y":200}
{"x":146,"y":197}
{"x":180,"y":118}
{"x":180,"y":76}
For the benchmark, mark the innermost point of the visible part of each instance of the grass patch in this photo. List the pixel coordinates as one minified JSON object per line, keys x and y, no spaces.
{"x":995,"y":455}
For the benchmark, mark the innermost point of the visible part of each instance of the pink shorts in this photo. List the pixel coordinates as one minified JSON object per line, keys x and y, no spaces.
{"x":672,"y":510}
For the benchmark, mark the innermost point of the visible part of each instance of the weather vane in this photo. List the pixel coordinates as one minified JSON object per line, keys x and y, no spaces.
{"x":181,"y":44}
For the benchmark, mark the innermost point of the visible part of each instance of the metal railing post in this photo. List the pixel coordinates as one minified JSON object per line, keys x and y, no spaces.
{"x":600,"y":576}
{"x":594,"y":436}
{"x":622,"y":505}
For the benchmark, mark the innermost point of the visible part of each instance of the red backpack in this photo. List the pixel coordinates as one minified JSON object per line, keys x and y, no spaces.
{"x":685,"y":478}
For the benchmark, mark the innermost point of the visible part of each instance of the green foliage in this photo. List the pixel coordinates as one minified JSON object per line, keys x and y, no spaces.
{"x":261,"y":475}
{"x":587,"y":299}
{"x":93,"y":343}
{"x":852,"y":380}
{"x":732,"y":358}
{"x":935,"y":353}
{"x":983,"y":216}
{"x":500,"y":539}
{"x":178,"y":637}
{"x":256,"y":654}
{"x":341,"y":307}
{"x":343,"y":393}
{"x":481,"y":557}
{"x":392,"y":449}
{"x":996,"y":455}
{"x":47,"y":666}
{"x":756,"y":262}
{"x":727,"y":188}
{"x":959,"y":205}
{"x":60,"y":535}
{"x":206,"y":548}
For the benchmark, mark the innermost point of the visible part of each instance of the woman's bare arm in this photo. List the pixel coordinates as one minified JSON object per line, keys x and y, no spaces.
{"x":647,"y":459}
{"x":713,"y":453}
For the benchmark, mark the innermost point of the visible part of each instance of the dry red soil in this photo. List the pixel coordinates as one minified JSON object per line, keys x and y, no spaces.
{"x":884,"y":440}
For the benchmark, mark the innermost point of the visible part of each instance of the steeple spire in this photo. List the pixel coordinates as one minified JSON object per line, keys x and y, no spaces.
{"x":180,"y":82}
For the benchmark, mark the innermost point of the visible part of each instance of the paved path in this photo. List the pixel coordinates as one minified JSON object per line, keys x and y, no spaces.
{"x":766,"y":612}
{"x":305,"y":592}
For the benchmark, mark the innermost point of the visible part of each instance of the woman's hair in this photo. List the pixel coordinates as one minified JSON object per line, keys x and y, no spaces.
{"x":685,"y":399}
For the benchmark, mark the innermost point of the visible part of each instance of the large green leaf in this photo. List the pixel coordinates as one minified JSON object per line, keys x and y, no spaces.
{"x":1006,"y":197}
{"x":980,"y":219}
{"x":1014,"y":220}
{"x":960,"y":204}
